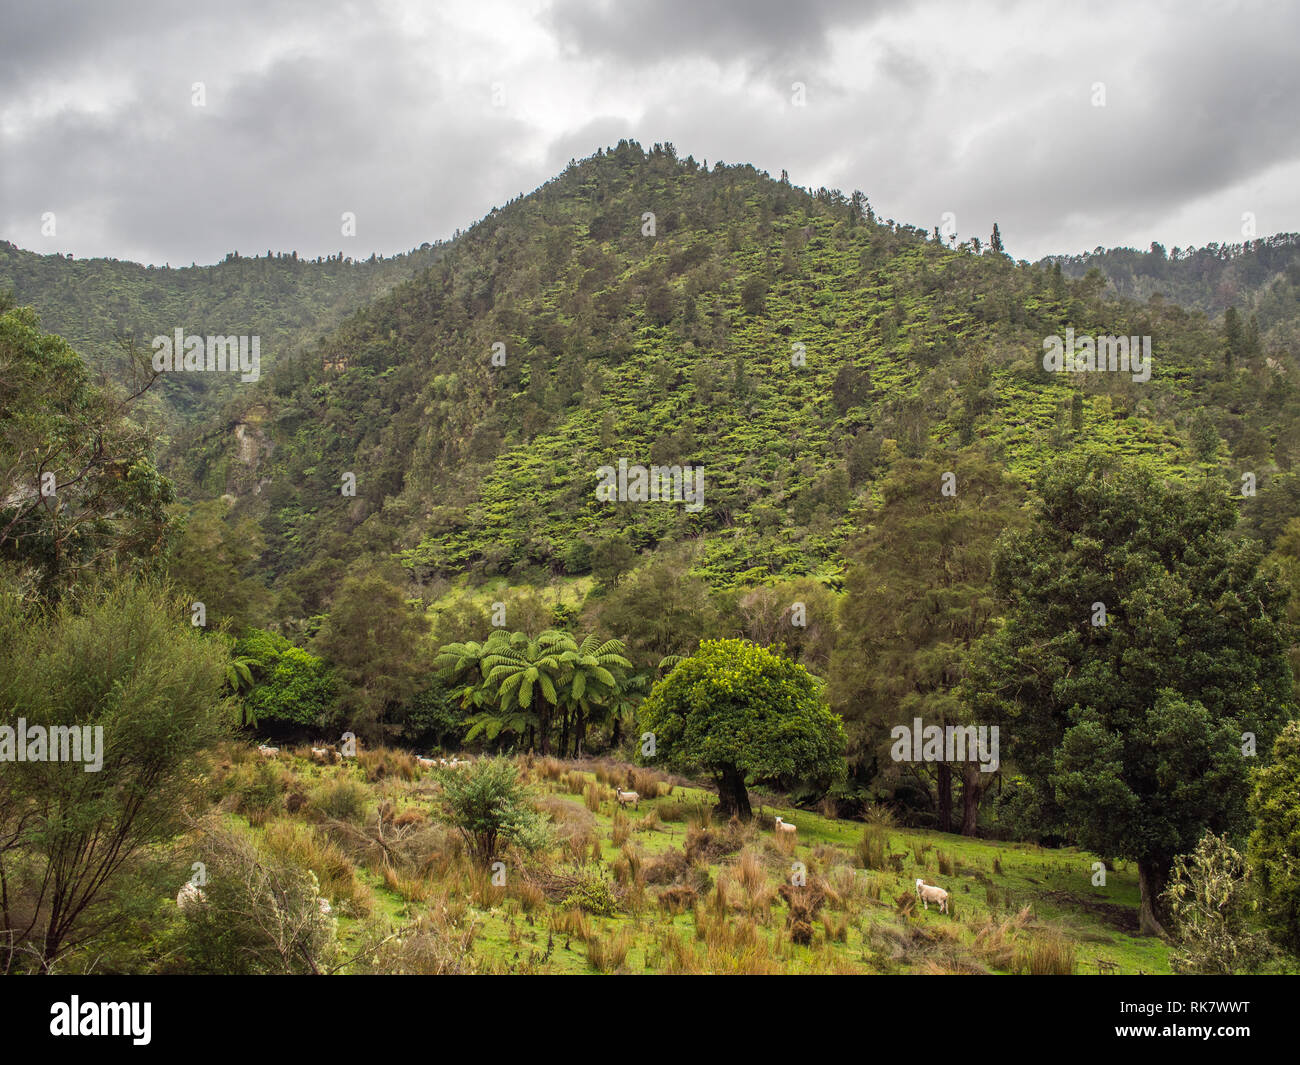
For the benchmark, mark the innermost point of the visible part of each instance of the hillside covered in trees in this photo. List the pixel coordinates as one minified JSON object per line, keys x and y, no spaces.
{"x":790,"y":344}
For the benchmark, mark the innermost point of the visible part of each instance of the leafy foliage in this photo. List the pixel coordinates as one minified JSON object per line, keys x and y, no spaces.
{"x":291,"y":687}
{"x":1275,"y":843}
{"x":1207,"y":899}
{"x":744,"y":714}
{"x":486,"y":803}
{"x":78,"y":488}
{"x":129,"y":664}
{"x":1141,"y":641}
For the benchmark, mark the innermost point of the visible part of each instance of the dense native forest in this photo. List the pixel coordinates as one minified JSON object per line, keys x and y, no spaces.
{"x":396,"y":534}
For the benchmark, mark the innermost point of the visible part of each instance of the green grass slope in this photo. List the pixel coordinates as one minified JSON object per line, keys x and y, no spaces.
{"x":665,"y":889}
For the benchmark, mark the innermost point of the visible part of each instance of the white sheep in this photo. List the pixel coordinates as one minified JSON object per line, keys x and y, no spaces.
{"x":428,"y":763}
{"x":785,"y":826}
{"x":627,"y":798}
{"x":928,"y":893}
{"x":268,"y":752}
{"x":320,"y":754}
{"x":189,"y":896}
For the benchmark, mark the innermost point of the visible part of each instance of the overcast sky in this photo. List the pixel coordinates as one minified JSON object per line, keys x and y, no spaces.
{"x":420,"y":117}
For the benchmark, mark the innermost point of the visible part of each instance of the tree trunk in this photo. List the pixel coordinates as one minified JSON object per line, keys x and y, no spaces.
{"x":579,"y":734}
{"x":943,"y":797}
{"x":733,"y":796}
{"x":1152,"y":877}
{"x":971,"y":793}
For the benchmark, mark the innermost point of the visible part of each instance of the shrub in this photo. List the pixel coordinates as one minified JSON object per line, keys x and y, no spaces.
{"x":423,"y":948}
{"x":257,"y":788}
{"x":341,"y":798}
{"x":1276,"y":840}
{"x":290,"y":686}
{"x":592,"y":894}
{"x":873,"y":848}
{"x":1206,"y":900}
{"x":488,"y":806}
{"x":261,"y":912}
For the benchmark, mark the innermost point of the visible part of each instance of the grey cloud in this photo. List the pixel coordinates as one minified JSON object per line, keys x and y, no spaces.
{"x":271,"y":162}
{"x":763,"y":32}
{"x":319,"y":108}
{"x":47,"y":39}
{"x":1196,"y":113}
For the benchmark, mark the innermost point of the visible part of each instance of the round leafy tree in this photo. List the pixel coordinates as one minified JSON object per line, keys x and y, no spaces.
{"x":745,"y":715}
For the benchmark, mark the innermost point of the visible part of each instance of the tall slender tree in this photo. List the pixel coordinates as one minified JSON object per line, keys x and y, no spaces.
{"x":918,"y":595}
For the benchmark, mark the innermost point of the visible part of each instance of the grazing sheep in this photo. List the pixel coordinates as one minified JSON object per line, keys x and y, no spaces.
{"x":928,"y":893}
{"x":189,"y":896}
{"x":320,"y":754}
{"x":785,"y":826}
{"x":627,"y":798}
{"x":268,"y":752}
{"x":428,"y":763}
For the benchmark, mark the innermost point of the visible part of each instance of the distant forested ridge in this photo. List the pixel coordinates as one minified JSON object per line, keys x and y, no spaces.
{"x":1258,"y":277}
{"x":96,"y":304}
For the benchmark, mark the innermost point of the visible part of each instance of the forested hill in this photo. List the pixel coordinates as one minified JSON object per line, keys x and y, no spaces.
{"x":665,"y":312}
{"x":97,"y":304}
{"x":1259,"y":277}
{"x":657,"y":310}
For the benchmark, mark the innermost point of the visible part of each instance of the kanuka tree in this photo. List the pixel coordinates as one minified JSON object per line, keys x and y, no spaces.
{"x":918,"y":597}
{"x":744,"y":715}
{"x":135,"y":692}
{"x":375,"y":639}
{"x":79,"y":492}
{"x":1142,"y":643}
